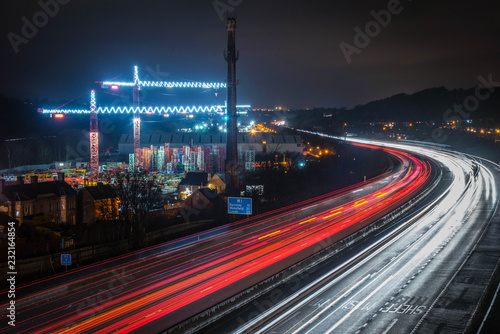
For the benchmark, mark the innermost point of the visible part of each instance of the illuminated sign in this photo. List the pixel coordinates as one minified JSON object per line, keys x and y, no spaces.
{"x":239,"y":205}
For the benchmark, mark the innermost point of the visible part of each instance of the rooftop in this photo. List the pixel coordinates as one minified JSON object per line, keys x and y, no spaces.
{"x":207,"y":139}
{"x":26,"y":192}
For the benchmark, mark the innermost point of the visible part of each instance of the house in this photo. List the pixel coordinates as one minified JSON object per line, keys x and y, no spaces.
{"x":203,"y":203}
{"x":197,"y":180}
{"x":53,"y":200}
{"x":97,"y":203}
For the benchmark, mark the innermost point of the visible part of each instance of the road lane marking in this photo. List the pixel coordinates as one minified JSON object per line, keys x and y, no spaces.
{"x":270,"y":234}
{"x":331,"y":329}
{"x":307,"y":221}
{"x":336,"y":213}
{"x":390,"y":326}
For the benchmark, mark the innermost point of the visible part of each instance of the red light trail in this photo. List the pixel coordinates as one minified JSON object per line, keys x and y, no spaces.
{"x":176,"y":284}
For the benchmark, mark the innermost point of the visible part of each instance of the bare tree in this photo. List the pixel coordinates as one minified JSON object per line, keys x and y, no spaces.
{"x":138,"y":195}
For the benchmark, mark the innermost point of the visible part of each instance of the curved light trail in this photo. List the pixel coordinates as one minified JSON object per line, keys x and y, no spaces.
{"x":419,"y":260}
{"x":178,"y":280}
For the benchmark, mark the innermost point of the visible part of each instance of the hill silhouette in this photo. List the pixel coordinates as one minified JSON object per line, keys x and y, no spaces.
{"x":427,"y":105}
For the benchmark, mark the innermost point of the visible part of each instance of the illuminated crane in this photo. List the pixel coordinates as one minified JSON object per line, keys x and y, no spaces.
{"x":94,"y":139}
{"x":136,"y":110}
{"x":137,"y":84}
{"x":137,"y":120}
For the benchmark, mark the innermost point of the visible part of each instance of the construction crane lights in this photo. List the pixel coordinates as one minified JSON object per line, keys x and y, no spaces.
{"x":166,"y":84}
{"x":136,"y":75}
{"x":128,"y":110}
{"x":143,"y":109}
{"x":92,"y":101}
{"x":106,"y":84}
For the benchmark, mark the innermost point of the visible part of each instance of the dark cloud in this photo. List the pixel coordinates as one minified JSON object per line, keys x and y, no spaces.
{"x":289,"y":50}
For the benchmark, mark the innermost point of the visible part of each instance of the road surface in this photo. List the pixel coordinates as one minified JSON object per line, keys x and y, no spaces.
{"x":407,"y":280}
{"x":154,"y":289}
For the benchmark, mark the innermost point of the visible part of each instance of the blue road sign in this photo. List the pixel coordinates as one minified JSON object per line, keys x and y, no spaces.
{"x":65,"y":259}
{"x":239,"y":205}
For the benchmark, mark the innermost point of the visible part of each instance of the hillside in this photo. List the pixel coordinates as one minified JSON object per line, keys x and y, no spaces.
{"x":427,"y":105}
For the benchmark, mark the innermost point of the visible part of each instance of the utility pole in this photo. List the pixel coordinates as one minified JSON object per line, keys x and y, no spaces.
{"x":231,"y":56}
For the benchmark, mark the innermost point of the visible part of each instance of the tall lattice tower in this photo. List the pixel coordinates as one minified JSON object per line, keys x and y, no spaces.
{"x":137,"y":120}
{"x":94,"y":139}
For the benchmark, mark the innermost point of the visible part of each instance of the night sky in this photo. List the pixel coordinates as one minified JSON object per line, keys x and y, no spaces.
{"x":289,"y":50}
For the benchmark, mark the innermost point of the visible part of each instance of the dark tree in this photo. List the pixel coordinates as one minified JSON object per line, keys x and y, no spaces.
{"x":138,"y":195}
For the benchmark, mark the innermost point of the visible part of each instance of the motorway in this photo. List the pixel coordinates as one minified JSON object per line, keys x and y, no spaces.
{"x":408,"y":279}
{"x":154,"y":289}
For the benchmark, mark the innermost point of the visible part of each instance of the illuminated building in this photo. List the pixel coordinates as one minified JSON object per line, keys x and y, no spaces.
{"x":53,"y":200}
{"x":97,"y":203}
{"x":198,"y":180}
